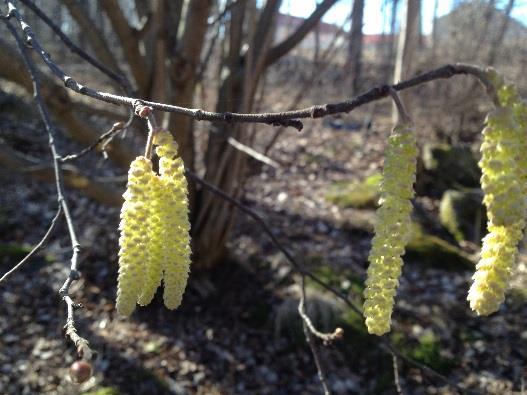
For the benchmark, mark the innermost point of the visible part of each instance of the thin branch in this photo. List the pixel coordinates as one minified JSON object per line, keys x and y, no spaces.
{"x":117,"y":127}
{"x":82,"y":344}
{"x":286,"y":118}
{"x":326,"y":337}
{"x":396,"y":378}
{"x":227,"y":8}
{"x":37,"y":247}
{"x":309,"y":332}
{"x":247,"y":149}
{"x":401,"y":110}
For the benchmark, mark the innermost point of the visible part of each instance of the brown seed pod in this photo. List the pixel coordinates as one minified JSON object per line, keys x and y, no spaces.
{"x":80,"y":371}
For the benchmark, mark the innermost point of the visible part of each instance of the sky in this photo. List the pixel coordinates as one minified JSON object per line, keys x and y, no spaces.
{"x":374,"y":18}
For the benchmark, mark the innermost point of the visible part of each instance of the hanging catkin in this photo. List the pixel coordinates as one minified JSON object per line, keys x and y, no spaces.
{"x":156,"y":253}
{"x":176,"y":265}
{"x":391,"y":230}
{"x":504,"y":169}
{"x":134,"y":240}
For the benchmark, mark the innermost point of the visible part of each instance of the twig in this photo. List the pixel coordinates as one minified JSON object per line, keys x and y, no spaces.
{"x":246,"y":149}
{"x":309,"y":332}
{"x":82,"y":344}
{"x":326,"y":337}
{"x":286,"y":118}
{"x":401,"y":111}
{"x":37,"y":247}
{"x":396,"y":379}
{"x":227,"y":8}
{"x":117,"y":127}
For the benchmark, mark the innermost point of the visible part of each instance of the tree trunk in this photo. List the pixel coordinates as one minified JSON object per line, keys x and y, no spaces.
{"x":408,"y":39}
{"x":355,"y":45}
{"x":391,"y":47}
{"x":225,"y":166}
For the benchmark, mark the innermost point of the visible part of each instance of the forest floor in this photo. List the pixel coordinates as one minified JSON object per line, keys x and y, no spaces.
{"x":238,"y":331}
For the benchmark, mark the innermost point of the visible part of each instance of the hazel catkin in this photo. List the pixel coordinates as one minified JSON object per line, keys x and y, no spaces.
{"x":391,"y":230}
{"x":176,"y":265}
{"x":133,"y":242}
{"x":156,"y":250}
{"x":504,"y":174}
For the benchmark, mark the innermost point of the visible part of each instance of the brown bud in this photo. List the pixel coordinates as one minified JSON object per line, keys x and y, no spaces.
{"x":143,"y":111}
{"x":80,"y":371}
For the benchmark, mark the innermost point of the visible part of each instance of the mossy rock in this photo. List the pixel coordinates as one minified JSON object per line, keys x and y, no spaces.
{"x":447,"y":167}
{"x":463,"y":214}
{"x":433,"y":251}
{"x":426,"y":350}
{"x":103,"y":391}
{"x":363,"y":194}
{"x":12,"y":253}
{"x":327,"y":313}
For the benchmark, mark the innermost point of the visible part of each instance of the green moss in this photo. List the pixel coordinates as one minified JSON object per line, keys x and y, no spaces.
{"x":432,"y":251}
{"x":451,"y":166}
{"x":345,"y":281}
{"x":13,"y":251}
{"x":426,"y":350}
{"x":462,"y":213}
{"x":104,"y":391}
{"x":364,"y":194}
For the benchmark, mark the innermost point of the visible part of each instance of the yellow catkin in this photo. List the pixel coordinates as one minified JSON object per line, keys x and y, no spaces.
{"x":156,"y":248}
{"x":176,"y":265}
{"x":391,"y":230}
{"x":504,"y":174}
{"x":133,"y":242}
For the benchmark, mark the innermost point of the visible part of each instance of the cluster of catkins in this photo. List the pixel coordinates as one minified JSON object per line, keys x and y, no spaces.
{"x":504,"y":182}
{"x":155,"y":241}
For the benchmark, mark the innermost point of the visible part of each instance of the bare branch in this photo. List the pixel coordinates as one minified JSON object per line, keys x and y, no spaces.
{"x":396,"y":379}
{"x":309,"y":332}
{"x":82,"y":344}
{"x":103,"y":140}
{"x":37,"y":247}
{"x":286,"y":118}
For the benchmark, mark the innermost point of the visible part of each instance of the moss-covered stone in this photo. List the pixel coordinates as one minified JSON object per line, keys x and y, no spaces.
{"x":426,"y":350}
{"x":433,"y":251}
{"x":363,"y":194}
{"x":445,"y":167}
{"x":323,"y":310}
{"x":13,"y":251}
{"x":462,"y":213}
{"x":103,"y":391}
